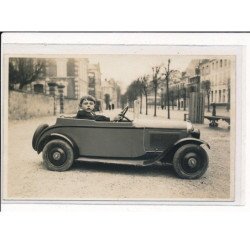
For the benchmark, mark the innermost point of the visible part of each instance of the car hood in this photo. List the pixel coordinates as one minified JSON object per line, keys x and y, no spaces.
{"x":164,"y":123}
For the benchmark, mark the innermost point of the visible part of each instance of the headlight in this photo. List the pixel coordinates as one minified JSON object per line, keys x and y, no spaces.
{"x":196,"y":133}
{"x":190,"y":127}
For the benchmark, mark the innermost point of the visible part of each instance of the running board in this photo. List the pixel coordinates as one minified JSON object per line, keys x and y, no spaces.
{"x":117,"y":161}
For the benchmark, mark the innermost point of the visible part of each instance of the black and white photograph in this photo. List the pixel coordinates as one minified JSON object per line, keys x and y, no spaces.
{"x":120,"y":123}
{"x":124,"y":125}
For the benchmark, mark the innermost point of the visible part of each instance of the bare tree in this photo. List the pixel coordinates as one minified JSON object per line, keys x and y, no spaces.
{"x":24,"y":71}
{"x":172,"y":96}
{"x":140,"y":90}
{"x":167,"y":73}
{"x":133,"y":91}
{"x":155,"y":84}
{"x":145,"y":89}
{"x":178,"y":97}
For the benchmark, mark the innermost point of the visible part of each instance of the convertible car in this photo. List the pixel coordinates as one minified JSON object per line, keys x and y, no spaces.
{"x":138,"y":142}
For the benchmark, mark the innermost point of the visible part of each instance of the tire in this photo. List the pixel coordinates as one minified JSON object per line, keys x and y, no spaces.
{"x":58,"y":155}
{"x":39,"y":129}
{"x":190,"y":161}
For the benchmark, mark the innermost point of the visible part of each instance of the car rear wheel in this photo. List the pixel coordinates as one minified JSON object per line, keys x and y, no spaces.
{"x":58,"y":155}
{"x":190,"y":161}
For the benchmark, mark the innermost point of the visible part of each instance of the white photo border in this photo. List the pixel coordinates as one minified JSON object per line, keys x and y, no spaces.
{"x":19,"y":44}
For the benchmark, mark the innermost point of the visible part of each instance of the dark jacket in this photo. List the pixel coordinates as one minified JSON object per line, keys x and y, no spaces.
{"x":82,"y":114}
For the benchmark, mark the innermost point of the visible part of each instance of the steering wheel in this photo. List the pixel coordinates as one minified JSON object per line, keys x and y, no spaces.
{"x":122,"y":115}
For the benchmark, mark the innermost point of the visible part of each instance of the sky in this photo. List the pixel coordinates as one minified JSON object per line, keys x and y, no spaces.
{"x":126,"y":68}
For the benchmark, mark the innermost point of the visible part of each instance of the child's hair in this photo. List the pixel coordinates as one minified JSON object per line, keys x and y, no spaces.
{"x":87,"y":97}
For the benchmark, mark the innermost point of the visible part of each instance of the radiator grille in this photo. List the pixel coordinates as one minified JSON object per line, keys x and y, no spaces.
{"x":161,"y":141}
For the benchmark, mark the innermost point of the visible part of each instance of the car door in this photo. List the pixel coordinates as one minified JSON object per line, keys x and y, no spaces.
{"x":109,"y":139}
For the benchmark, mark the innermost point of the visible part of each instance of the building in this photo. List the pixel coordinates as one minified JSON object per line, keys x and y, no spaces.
{"x":190,"y":70}
{"x":70,"y":72}
{"x":110,"y":93}
{"x":221,"y":73}
{"x":94,"y":80}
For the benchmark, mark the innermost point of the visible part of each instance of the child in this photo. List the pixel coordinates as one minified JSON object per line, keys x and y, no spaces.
{"x":87,"y":105}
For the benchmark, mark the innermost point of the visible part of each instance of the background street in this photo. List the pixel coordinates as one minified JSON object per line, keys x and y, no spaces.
{"x":27,"y":178}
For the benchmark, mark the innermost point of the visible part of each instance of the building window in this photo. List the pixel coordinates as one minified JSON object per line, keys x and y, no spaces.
{"x":71,"y":67}
{"x":219,"y":95}
{"x":221,"y":63}
{"x":52,"y":68}
{"x":38,"y":88}
{"x":215,"y":96}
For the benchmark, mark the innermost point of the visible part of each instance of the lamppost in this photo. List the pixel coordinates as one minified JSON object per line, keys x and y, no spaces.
{"x":167,"y":72}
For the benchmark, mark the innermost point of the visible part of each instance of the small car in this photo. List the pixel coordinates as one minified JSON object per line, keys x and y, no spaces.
{"x":140,"y":142}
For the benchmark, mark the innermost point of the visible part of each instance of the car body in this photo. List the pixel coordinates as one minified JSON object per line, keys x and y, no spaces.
{"x":138,"y":142}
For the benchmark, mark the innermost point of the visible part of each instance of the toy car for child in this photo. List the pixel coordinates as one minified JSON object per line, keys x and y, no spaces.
{"x":138,"y":142}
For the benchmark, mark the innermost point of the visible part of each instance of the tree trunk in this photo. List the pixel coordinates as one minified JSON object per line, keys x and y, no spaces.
{"x":141,"y":105}
{"x":185,"y":104}
{"x":146,"y":104}
{"x":155,"y":102}
{"x":208,"y":103}
{"x":22,"y":84}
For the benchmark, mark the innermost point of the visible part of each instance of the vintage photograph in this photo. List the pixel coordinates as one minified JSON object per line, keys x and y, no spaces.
{"x":129,"y":126}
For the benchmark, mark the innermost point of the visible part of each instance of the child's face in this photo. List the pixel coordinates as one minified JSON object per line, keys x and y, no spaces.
{"x":88,"y":105}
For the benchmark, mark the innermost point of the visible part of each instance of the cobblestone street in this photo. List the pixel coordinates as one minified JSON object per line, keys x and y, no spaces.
{"x":25,"y":176}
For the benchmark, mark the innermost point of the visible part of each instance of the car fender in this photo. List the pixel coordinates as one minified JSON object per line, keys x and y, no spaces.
{"x":169,"y":152}
{"x":40,"y":129}
{"x":190,"y":140}
{"x":53,"y":136}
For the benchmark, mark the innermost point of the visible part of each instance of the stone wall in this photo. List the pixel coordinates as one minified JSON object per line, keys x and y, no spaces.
{"x":27,"y":105}
{"x":70,"y":106}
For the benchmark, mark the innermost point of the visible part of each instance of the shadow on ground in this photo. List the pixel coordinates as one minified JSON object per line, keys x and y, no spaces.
{"x":154,"y":170}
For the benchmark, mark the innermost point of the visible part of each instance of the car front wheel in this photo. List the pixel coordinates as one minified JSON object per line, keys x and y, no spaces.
{"x":58,"y":155}
{"x":190,"y":161}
